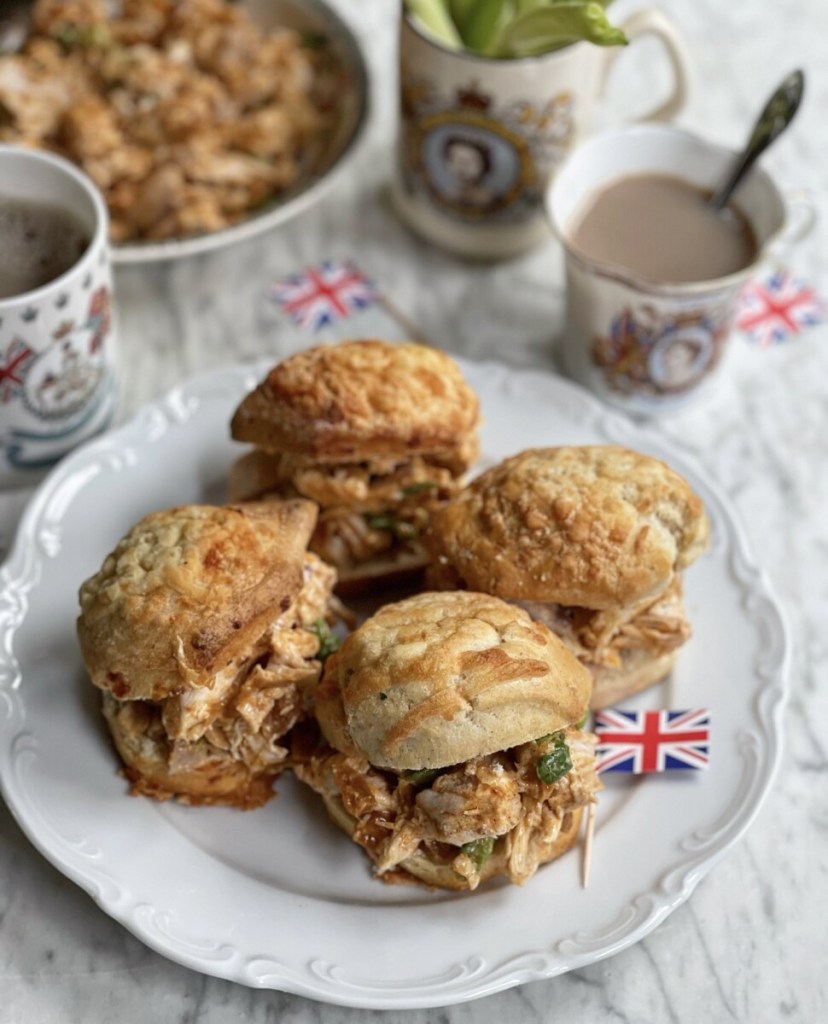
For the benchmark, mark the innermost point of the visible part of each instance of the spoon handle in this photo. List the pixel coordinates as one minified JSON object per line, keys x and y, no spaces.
{"x":777,"y":115}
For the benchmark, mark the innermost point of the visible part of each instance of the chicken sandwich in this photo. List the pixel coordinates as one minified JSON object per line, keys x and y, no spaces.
{"x":450,"y":749}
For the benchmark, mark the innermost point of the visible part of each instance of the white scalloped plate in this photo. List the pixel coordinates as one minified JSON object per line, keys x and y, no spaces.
{"x":278,"y":898}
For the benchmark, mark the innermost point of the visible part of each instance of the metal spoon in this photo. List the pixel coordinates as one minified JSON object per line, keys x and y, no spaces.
{"x":778,"y":113}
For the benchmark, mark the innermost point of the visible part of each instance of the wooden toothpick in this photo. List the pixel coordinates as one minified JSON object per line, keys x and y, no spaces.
{"x":590,"y":832}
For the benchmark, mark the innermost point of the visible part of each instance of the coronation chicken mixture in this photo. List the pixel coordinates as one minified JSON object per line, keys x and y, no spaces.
{"x":495,"y":805}
{"x":184,"y":113}
{"x":366,"y":509}
{"x":247,"y":709}
{"x":658,"y":625}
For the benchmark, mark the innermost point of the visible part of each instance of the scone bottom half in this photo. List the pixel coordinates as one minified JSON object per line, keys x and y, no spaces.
{"x":203,"y":629}
{"x":450,"y":746}
{"x":378,"y":434}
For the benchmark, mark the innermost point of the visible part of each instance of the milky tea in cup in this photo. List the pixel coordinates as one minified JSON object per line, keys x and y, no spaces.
{"x":663,"y":229}
{"x":653,"y":275}
{"x":57,"y":341}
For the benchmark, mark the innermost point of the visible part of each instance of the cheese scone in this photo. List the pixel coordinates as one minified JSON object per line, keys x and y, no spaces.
{"x":379,"y":435}
{"x":590,"y":540}
{"x":450,"y":749}
{"x":202,"y":629}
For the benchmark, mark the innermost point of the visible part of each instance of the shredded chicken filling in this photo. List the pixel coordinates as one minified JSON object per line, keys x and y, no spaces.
{"x":369,"y":487}
{"x":658,"y":626}
{"x":187,"y":116}
{"x":367,"y":509}
{"x":249,"y":706}
{"x":498,"y":797}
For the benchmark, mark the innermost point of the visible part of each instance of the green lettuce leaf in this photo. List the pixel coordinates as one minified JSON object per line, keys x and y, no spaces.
{"x":549,"y":28}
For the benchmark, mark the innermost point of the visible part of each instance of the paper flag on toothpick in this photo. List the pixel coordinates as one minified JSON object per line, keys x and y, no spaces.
{"x":651,"y":741}
{"x":320,"y":295}
{"x":336,"y":299}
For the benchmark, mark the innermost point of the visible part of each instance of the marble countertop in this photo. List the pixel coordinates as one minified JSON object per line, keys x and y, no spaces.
{"x":747,"y":947}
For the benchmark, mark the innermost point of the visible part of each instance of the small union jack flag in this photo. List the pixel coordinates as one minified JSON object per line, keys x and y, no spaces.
{"x":320,"y":295}
{"x":651,"y":741}
{"x":777,"y":307}
{"x":16,"y":362}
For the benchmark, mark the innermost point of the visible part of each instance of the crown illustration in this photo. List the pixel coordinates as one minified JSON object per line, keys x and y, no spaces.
{"x":472,"y":97}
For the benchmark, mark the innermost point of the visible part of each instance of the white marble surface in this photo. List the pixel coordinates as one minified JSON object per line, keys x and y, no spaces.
{"x":749,"y":944}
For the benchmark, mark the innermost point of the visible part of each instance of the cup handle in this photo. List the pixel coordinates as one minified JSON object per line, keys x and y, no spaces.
{"x":651,"y":22}
{"x":800,"y":220}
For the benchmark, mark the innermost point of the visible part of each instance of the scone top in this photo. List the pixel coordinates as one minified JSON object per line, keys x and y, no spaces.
{"x":188,"y":591}
{"x":600,"y":527}
{"x":363,"y":400}
{"x":439,"y":678}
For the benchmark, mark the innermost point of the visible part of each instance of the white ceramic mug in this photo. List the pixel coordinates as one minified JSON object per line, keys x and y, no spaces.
{"x":480,"y":137}
{"x":642,"y":346}
{"x":57,"y":342}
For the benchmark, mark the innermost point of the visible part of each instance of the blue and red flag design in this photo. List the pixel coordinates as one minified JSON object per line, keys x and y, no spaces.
{"x":775,"y":308}
{"x":651,"y":741}
{"x":15,"y":363}
{"x":321,"y":295}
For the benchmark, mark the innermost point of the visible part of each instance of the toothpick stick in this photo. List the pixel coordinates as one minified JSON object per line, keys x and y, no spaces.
{"x":590,"y":832}
{"x":411,"y":329}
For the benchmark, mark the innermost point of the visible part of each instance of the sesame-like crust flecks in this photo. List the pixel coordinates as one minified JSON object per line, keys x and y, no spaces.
{"x":361,"y":400}
{"x":598,"y":527}
{"x":442,"y":677}
{"x":187,"y":592}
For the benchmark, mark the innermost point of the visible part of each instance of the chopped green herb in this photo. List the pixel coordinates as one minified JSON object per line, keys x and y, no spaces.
{"x":479,"y":850}
{"x":419,"y":487}
{"x":381,"y":522}
{"x":405,"y":530}
{"x":388,"y":522}
{"x":328,"y":641}
{"x":555,"y":763}
{"x":420,"y":776}
{"x":313,"y":40}
{"x":262,"y":203}
{"x":583,"y":721}
{"x":82,"y":35}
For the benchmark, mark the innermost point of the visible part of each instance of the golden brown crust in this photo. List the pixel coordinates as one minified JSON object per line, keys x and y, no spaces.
{"x":361,"y":400}
{"x":599,"y":527}
{"x":187,"y":592}
{"x":442,"y":677}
